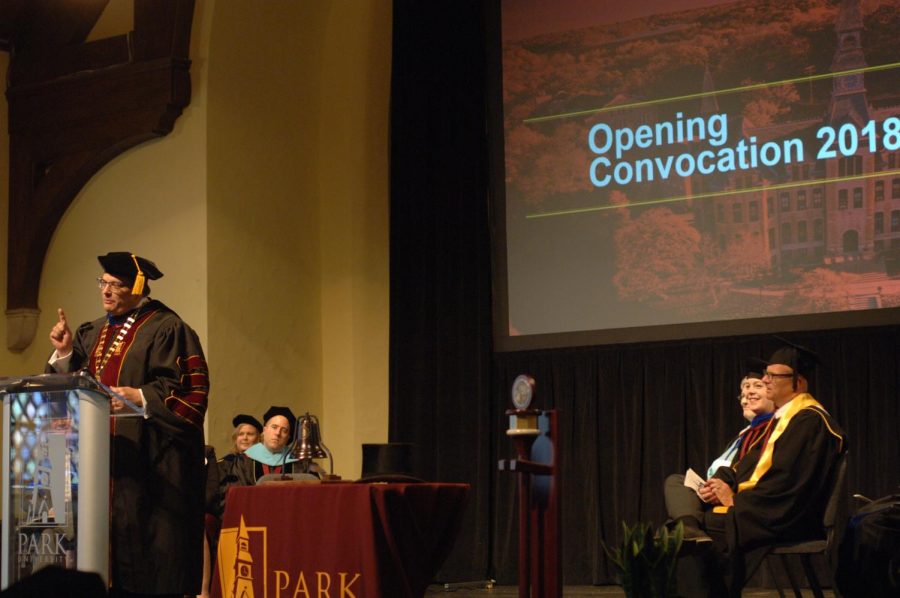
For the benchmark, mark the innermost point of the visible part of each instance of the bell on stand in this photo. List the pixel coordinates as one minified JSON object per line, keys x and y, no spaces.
{"x":309,"y":445}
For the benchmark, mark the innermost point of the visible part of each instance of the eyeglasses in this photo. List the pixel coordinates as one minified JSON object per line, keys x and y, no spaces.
{"x":774,"y":375}
{"x":114,"y":285}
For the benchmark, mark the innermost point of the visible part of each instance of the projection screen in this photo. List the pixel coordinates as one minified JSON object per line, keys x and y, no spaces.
{"x":682,"y":169}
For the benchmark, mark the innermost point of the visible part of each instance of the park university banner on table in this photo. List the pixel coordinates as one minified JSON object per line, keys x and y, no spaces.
{"x":245,"y":569}
{"x":335,"y":540}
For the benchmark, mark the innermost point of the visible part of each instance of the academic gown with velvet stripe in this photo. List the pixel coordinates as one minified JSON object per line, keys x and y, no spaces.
{"x":241,"y":470}
{"x":156,"y":463}
{"x":787,"y":502}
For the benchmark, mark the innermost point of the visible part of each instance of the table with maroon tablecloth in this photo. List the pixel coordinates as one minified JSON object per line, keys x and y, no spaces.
{"x":336,"y":539}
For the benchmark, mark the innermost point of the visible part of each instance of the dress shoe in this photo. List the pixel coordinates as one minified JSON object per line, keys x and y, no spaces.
{"x":692,"y":533}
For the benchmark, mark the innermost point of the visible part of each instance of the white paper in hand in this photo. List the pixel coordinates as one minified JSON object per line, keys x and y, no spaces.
{"x":693,"y":481}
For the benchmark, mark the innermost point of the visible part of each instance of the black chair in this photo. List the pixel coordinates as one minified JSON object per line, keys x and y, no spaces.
{"x":835,"y":521}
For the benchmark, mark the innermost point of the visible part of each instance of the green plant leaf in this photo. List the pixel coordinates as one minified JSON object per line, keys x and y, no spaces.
{"x":646,"y":559}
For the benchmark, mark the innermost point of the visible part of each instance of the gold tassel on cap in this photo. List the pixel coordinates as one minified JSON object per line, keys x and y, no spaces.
{"x":138,"y":288}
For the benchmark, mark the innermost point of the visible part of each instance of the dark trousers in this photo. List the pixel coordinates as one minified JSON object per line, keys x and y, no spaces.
{"x":704,"y":569}
{"x":681,"y":501}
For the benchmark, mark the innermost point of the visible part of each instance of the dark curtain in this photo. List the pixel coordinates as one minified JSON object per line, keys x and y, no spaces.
{"x":440,"y":335}
{"x":632,"y":414}
{"x":629,"y":414}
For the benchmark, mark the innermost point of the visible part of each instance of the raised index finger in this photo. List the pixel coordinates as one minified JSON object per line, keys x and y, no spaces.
{"x":62,"y":316}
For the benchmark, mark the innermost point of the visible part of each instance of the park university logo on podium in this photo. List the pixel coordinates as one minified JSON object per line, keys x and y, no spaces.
{"x":48,"y":486}
{"x":45,"y":515}
{"x":49,"y":516}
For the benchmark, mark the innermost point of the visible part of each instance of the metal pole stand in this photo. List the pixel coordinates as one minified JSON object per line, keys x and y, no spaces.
{"x":535,"y":435}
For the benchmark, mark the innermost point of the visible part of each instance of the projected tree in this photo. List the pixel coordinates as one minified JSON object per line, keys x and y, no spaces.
{"x":767,"y":105}
{"x":540,"y":166}
{"x":820,"y":290}
{"x":656,"y":255}
{"x":741,"y":260}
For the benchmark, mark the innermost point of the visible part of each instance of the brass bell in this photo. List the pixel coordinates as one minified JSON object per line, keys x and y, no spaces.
{"x":309,"y":443}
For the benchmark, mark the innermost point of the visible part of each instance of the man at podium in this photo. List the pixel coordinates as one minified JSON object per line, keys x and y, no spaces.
{"x":149,"y":356}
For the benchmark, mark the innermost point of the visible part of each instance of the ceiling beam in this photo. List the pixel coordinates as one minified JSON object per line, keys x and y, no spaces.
{"x":72,"y":109}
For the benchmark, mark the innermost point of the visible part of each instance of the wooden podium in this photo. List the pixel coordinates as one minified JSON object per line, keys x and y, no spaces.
{"x":55,"y":475}
{"x":535,"y":435}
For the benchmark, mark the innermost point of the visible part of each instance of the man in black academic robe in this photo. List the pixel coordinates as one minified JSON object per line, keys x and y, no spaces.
{"x":148,"y":355}
{"x":270,"y":456}
{"x":778,"y":491}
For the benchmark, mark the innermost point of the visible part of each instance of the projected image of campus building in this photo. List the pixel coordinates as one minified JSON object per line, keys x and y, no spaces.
{"x":841,"y":212}
{"x":720,"y":162}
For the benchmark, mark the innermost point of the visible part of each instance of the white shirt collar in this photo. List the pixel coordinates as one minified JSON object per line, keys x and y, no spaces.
{"x":781,"y":410}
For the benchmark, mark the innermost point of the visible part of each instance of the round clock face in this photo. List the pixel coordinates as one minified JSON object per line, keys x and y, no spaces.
{"x":522,"y":391}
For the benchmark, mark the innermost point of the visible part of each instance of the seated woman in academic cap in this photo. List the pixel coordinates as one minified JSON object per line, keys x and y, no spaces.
{"x":247,"y":430}
{"x":683,"y":503}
